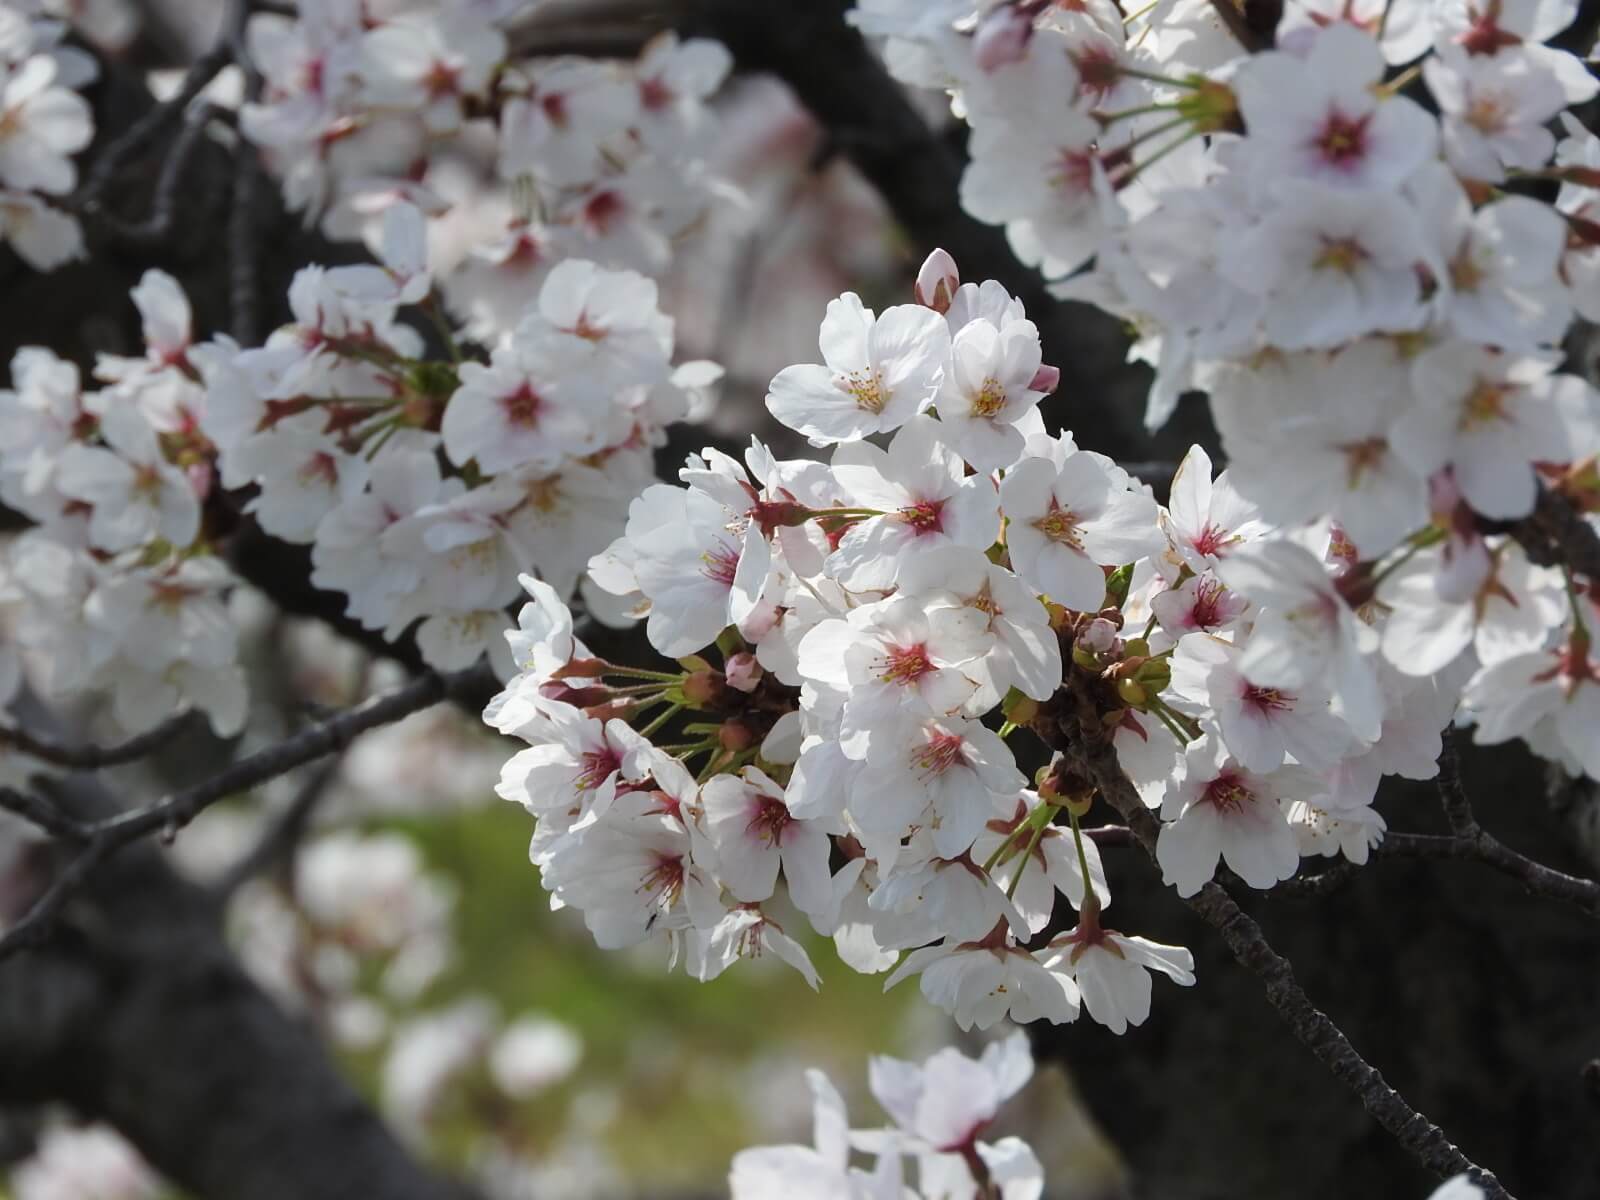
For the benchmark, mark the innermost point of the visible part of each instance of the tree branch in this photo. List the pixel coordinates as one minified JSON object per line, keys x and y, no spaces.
{"x":1425,"y":1141}
{"x":139,"y":1015}
{"x":1557,"y":534}
{"x":92,"y":758}
{"x":101,"y":839}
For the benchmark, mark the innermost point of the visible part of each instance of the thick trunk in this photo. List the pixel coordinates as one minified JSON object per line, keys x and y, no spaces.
{"x":1480,"y":1005}
{"x":136,"y":1013}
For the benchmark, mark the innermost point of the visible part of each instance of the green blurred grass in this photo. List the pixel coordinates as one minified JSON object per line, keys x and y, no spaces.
{"x":680,"y":1055}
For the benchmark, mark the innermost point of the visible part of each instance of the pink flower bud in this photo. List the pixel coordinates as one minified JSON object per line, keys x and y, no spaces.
{"x":1045,"y":379}
{"x":937,"y":282}
{"x":1098,"y":635}
{"x":1001,"y":38}
{"x":743,"y":672}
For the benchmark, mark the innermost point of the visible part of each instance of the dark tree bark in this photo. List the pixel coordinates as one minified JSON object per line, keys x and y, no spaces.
{"x":1479,"y":1003}
{"x":137,"y":1013}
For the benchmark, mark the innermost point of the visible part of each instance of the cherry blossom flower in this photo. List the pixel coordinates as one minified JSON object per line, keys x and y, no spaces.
{"x":1220,"y":809}
{"x":978,"y":983}
{"x":1305,"y":631}
{"x":1112,"y":971}
{"x":1321,"y":117}
{"x":1065,"y":522}
{"x":1489,"y":417}
{"x":879,"y":370}
{"x":1259,"y":725}
{"x":136,"y":494}
{"x":753,"y":830}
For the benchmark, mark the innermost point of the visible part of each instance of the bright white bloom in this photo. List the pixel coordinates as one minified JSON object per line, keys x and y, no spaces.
{"x":1112,"y":972}
{"x":979,"y":982}
{"x":1220,"y":809}
{"x":1026,"y":653}
{"x":942,"y":772}
{"x":878,"y":371}
{"x":41,"y":127}
{"x":136,"y":494}
{"x":1495,"y":110}
{"x":988,"y":388}
{"x":1321,"y":117}
{"x":1561,"y":687}
{"x":1259,"y":725}
{"x":897,"y":661}
{"x":1489,"y":417}
{"x":1065,"y":522}
{"x":1306,"y":632}
{"x":928,"y":501}
{"x":752,"y":830}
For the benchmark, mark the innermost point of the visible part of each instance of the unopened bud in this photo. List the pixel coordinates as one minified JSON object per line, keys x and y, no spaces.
{"x":1045,"y":379}
{"x":742,"y":672}
{"x":702,"y":687}
{"x":937,"y":282}
{"x":1099,"y":635}
{"x":1154,"y":674}
{"x":1131,"y":692}
{"x":1001,"y":38}
{"x":585,"y":668}
{"x":735,"y":735}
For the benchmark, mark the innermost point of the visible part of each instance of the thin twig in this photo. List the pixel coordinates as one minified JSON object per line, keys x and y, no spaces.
{"x":163,"y":209}
{"x":147,"y":128}
{"x":1537,"y":878}
{"x":282,"y":836}
{"x":1425,"y":1141}
{"x":244,"y":289}
{"x":1557,"y":534}
{"x":101,"y":839}
{"x":92,"y":758}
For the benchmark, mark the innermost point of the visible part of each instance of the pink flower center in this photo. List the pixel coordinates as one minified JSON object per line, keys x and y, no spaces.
{"x":1266,"y":700}
{"x":720,"y":563}
{"x":768,"y":821}
{"x":522,"y":407}
{"x":926,"y":516}
{"x":1060,"y":525}
{"x":905,"y":664}
{"x":554,"y":105}
{"x":1206,"y":612}
{"x":654,"y":94}
{"x":943,"y":751}
{"x":595,"y":767}
{"x":664,"y":880}
{"x":1211,"y":540}
{"x":1342,"y":141}
{"x":602,"y":210}
{"x":321,"y":468}
{"x":1227,"y":793}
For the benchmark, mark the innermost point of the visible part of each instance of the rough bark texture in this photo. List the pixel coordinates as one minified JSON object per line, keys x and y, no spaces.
{"x":1477,"y":1002}
{"x":138,"y":1014}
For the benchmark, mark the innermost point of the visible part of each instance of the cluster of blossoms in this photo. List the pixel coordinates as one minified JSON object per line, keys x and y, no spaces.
{"x":368,"y":102}
{"x":423,"y":487}
{"x":43,"y":123}
{"x":887,"y":620}
{"x":118,"y":587}
{"x":1374,"y":295}
{"x":942,"y":1113}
